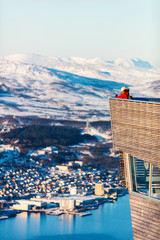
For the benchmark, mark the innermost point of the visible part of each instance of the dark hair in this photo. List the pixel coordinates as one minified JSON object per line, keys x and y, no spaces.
{"x":127,"y":90}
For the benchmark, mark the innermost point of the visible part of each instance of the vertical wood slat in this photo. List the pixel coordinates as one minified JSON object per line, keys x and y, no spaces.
{"x":123,"y":170}
{"x":136,"y":131}
{"x":145,"y":213}
{"x":136,"y":128}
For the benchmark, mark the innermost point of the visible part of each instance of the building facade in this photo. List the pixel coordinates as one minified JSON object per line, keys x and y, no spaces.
{"x":99,"y":189}
{"x":136,"y":133}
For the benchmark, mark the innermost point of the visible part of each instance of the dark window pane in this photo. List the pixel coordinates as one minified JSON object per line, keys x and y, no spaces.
{"x":156,"y":182}
{"x":140,"y":175}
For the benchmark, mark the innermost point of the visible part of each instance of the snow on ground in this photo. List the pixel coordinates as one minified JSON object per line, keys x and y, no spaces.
{"x":70,"y":88}
{"x":94,"y":132}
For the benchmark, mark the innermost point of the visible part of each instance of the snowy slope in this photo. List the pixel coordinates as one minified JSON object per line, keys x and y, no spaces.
{"x":70,"y":88}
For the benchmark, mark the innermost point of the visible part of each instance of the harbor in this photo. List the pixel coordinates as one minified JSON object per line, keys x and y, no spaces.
{"x":108,"y":221}
{"x":56,"y":206}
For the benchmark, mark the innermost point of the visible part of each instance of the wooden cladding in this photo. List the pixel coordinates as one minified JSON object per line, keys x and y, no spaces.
{"x":136,"y":128}
{"x":145,"y":215}
{"x":145,"y":212}
{"x":136,"y":131}
{"x":123,"y":173}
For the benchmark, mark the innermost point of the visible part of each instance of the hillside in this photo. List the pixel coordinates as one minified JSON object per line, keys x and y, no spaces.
{"x":42,"y":136}
{"x":70,"y":88}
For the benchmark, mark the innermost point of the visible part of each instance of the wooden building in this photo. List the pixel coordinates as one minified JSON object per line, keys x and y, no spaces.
{"x":136,"y":133}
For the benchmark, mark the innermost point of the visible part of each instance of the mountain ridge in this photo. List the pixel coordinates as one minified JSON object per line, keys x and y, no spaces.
{"x":70,"y":88}
{"x":37,"y":58}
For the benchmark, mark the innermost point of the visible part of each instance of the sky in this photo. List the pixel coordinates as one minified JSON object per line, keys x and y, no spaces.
{"x":106,"y":29}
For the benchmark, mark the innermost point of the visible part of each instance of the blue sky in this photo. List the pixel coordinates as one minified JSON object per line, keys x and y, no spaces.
{"x":107,"y":29}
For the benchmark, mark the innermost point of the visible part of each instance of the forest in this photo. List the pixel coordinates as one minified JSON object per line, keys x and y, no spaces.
{"x":44,"y":135}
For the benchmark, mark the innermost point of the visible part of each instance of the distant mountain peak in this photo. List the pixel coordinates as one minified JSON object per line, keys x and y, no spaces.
{"x":140,"y":63}
{"x":41,"y":60}
{"x":134,"y":62}
{"x":123,"y":62}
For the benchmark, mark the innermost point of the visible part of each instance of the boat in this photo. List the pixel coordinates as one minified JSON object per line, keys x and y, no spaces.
{"x":83,"y":214}
{"x":56,"y":213}
{"x":3,"y":217}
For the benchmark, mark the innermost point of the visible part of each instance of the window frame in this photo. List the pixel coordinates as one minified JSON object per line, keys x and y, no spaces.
{"x":131,"y":181}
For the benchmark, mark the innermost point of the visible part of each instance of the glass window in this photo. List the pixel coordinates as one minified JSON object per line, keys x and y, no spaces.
{"x":140,"y":175}
{"x":145,"y":178}
{"x":155,"y":192}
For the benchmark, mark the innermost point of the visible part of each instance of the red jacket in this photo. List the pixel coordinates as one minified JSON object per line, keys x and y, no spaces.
{"x":124,"y":95}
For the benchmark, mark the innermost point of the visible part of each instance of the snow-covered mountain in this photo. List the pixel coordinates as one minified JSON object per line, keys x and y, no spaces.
{"x":70,"y":88}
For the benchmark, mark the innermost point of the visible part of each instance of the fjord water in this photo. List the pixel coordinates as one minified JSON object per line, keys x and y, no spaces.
{"x":111,"y":221}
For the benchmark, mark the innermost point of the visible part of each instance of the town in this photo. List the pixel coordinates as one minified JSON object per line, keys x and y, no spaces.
{"x":33,"y":182}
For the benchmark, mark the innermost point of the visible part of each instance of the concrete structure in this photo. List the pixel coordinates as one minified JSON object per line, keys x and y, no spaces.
{"x":35,"y":202}
{"x":99,"y":189}
{"x":80,"y":163}
{"x":73,"y":190}
{"x":136,"y":133}
{"x":22,"y":207}
{"x":67,"y":204}
{"x":2,"y":203}
{"x":79,"y":200}
{"x":62,"y":167}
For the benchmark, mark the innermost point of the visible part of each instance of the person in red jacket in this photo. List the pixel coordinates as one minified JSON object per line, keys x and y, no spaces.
{"x":124,"y":93}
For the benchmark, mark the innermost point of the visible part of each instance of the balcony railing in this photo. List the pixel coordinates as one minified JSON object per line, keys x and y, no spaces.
{"x":136,"y":127}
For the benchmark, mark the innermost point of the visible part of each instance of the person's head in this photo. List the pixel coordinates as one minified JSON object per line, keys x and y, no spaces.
{"x":123,"y":90}
{"x":127,"y":90}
